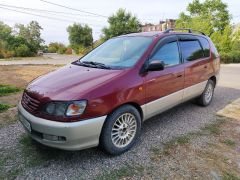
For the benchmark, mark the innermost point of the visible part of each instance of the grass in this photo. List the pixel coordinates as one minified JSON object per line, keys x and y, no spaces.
{"x":230,"y":176}
{"x":7,"y":89}
{"x":214,"y":128}
{"x":181,"y":140}
{"x":4,"y":107}
{"x":229,"y":142}
{"x":124,"y":172}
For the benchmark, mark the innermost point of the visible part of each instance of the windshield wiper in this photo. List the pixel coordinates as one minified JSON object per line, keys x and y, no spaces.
{"x":94,"y":64}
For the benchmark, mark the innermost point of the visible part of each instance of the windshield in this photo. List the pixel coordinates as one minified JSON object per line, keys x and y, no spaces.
{"x":121,"y":52}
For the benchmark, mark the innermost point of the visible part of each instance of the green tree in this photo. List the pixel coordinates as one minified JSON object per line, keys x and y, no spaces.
{"x":6,"y":37}
{"x":55,"y":47}
{"x":5,"y":31}
{"x":24,"y":41}
{"x":22,"y":51}
{"x":223,"y":40}
{"x":208,"y":16}
{"x":121,"y":23}
{"x":80,"y":36}
{"x":236,"y":39}
{"x":31,"y":33}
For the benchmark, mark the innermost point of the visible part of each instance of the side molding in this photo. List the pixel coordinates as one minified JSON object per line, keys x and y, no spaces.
{"x":162,"y":104}
{"x":194,"y":91}
{"x":155,"y":107}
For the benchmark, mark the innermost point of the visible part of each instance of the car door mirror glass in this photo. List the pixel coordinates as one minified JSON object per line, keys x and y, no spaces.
{"x":155,"y":65}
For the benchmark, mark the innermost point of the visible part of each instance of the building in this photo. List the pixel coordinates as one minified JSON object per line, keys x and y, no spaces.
{"x":162,"y":26}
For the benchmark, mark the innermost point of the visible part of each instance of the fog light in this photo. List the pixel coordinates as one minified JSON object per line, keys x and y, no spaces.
{"x":53,"y":138}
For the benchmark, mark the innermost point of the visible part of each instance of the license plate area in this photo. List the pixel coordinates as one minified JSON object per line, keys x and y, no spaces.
{"x":25,"y":122}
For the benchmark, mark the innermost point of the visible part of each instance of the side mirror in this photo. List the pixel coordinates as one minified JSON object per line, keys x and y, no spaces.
{"x":155,"y":65}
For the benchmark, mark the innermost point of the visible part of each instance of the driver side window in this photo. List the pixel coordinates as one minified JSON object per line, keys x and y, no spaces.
{"x":168,"y":53}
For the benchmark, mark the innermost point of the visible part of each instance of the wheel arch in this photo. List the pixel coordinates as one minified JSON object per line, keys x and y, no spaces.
{"x":214,"y":79}
{"x":134,"y":104}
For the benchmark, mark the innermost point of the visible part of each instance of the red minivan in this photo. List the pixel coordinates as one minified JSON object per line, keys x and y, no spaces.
{"x":104,"y":97}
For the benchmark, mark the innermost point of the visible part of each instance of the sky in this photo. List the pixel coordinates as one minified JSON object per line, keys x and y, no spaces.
{"x":54,"y":30}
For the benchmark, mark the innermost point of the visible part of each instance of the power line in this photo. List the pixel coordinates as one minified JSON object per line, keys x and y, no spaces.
{"x":35,"y":14}
{"x":43,"y":10}
{"x":53,"y":13}
{"x":74,"y":9}
{"x":38,"y":15}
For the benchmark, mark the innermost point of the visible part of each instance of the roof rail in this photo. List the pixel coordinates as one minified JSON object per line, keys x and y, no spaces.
{"x":183,"y":29}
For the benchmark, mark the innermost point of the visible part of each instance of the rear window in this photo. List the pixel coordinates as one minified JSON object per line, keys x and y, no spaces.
{"x":206,"y":46}
{"x":191,"y":50}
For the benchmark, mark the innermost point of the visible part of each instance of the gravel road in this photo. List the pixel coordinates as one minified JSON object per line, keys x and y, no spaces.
{"x":92,"y":162}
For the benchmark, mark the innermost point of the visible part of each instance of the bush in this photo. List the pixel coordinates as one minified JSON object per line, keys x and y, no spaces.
{"x":52,"y":49}
{"x":84,"y":50}
{"x":61,"y":50}
{"x":22,"y":51}
{"x":230,"y":57}
{"x":55,"y":47}
{"x":8,"y":54}
{"x":68,"y":51}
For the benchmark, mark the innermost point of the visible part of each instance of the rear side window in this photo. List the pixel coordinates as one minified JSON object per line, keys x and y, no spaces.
{"x":168,"y":53}
{"x":191,"y":50}
{"x":206,"y":46}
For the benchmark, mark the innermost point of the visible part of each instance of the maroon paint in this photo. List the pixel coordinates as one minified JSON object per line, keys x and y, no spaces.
{"x":105,"y":90}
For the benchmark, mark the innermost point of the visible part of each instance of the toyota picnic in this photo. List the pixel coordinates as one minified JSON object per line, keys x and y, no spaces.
{"x":104,"y":97}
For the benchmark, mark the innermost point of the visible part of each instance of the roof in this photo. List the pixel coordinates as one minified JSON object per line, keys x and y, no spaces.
{"x":158,"y":33}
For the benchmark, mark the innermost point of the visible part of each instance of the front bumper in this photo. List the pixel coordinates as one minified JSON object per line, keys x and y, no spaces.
{"x":74,"y":135}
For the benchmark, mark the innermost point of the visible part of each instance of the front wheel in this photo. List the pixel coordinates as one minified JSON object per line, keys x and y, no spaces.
{"x":206,"y":97}
{"x":121,"y":130}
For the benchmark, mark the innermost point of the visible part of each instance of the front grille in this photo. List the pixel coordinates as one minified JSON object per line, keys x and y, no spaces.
{"x":29,"y":102}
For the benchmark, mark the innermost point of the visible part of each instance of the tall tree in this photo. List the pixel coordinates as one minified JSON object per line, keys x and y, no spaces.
{"x":236,"y":39}
{"x":121,"y":23}
{"x":80,"y":36}
{"x":208,"y":16}
{"x":5,"y":31}
{"x":31,"y":33}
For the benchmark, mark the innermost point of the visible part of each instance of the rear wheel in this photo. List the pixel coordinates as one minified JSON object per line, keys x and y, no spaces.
{"x":121,"y":130}
{"x":206,"y":97}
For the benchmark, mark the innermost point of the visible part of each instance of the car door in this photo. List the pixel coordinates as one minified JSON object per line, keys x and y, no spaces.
{"x":164,"y":89}
{"x":197,"y":65}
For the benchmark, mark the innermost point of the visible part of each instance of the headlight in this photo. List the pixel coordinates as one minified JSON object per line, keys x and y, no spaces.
{"x":76,"y":108}
{"x":73,"y":108}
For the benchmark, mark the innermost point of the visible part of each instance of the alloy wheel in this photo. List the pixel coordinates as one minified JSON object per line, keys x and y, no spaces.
{"x":124,"y":130}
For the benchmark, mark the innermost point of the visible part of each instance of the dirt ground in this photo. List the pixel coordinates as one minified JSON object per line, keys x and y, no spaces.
{"x":211,"y":153}
{"x":18,"y":76}
{"x":21,"y":75}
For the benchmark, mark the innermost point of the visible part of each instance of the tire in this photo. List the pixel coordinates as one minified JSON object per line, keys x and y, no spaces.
{"x":115,"y":130}
{"x":206,"y":97}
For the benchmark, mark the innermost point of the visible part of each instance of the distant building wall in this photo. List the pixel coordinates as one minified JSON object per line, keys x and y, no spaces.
{"x":162,"y":26}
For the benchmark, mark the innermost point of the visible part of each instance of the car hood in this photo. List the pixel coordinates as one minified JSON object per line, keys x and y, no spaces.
{"x":70,"y":82}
